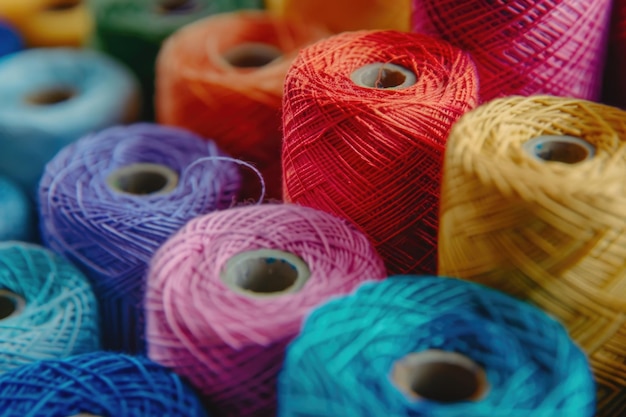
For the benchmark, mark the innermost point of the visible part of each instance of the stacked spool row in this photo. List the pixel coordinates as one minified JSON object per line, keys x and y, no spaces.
{"x":362,"y":113}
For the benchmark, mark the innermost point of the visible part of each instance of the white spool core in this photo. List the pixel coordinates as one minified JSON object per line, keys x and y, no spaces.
{"x":252,"y":55}
{"x":383,"y":76}
{"x":440,"y":376}
{"x":564,"y":149}
{"x":50,"y":96}
{"x":265,"y":272}
{"x":11,"y":304}
{"x":143,"y":179}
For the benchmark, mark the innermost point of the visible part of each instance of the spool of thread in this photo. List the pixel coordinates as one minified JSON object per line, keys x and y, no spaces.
{"x":47,"y":307}
{"x":525,"y":47}
{"x":48,"y":23}
{"x":133,"y":31}
{"x":10,"y":40}
{"x":342,"y":16}
{"x":366,"y":117}
{"x":17,"y":215}
{"x":244,"y":280}
{"x":102,"y":384}
{"x":614,"y":81}
{"x":109,"y":200}
{"x":534,"y":204}
{"x":50,"y":97}
{"x":427,"y":346}
{"x":223,"y":78}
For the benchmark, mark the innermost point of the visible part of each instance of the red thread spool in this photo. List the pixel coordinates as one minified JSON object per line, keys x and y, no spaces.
{"x":525,"y":47}
{"x":365,"y":117}
{"x":222,"y":77}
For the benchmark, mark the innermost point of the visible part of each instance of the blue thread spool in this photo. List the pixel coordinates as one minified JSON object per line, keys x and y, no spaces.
{"x":50,"y":97}
{"x":96,"y":384}
{"x":17,"y":216}
{"x":47,"y":307}
{"x":433,"y":347}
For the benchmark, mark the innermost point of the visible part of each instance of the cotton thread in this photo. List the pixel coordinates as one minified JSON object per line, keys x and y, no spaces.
{"x":17,"y":214}
{"x":548,"y":229}
{"x":49,"y":23}
{"x":133,"y":31}
{"x":50,"y":97}
{"x":10,"y":40}
{"x":343,"y":361}
{"x":230,"y":343}
{"x":346,"y":15}
{"x":525,"y":47}
{"x":101,"y":384}
{"x":59,"y":317}
{"x":374,"y":155}
{"x":110,"y":223}
{"x":205,"y":84}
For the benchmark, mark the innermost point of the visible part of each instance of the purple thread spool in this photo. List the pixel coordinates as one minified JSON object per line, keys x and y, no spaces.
{"x":108,"y":201}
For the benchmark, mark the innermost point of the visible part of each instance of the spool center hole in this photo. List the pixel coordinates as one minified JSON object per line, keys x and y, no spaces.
{"x":50,"y":96}
{"x":388,"y":78}
{"x":265,"y":275}
{"x":7,"y":306}
{"x":176,"y":6}
{"x":444,"y":382}
{"x":561,"y":151}
{"x":141,"y":183}
{"x":63,"y":5}
{"x":252,"y":55}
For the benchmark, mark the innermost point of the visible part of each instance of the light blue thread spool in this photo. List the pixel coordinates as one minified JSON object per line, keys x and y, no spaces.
{"x":50,"y":97}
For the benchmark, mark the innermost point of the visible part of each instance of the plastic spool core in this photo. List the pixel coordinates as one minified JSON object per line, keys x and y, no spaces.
{"x":176,"y":6}
{"x":252,"y":55}
{"x":265,"y":272}
{"x":565,"y":149}
{"x":50,"y":96}
{"x":383,"y":76}
{"x":143,"y":179}
{"x":62,"y":5}
{"x":11,"y":304}
{"x":436,"y":375}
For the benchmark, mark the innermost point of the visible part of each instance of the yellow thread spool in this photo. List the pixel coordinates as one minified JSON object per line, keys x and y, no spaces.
{"x":49,"y":23}
{"x":346,"y":15}
{"x":534,"y":204}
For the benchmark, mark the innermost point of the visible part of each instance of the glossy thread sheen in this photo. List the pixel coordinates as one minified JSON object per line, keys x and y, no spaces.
{"x":342,"y":361}
{"x":229,"y":345}
{"x":112,"y":236}
{"x":374,"y":156}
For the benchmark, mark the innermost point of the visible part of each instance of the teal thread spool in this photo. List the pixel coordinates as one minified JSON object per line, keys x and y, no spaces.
{"x":47,"y":307}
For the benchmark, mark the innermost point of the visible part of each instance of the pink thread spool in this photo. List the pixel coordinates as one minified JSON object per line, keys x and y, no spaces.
{"x":229,"y":291}
{"x":525,"y":47}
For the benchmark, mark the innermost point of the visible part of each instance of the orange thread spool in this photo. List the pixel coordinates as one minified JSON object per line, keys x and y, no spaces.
{"x":366,"y":116}
{"x":222,"y":77}
{"x":347,"y":15}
